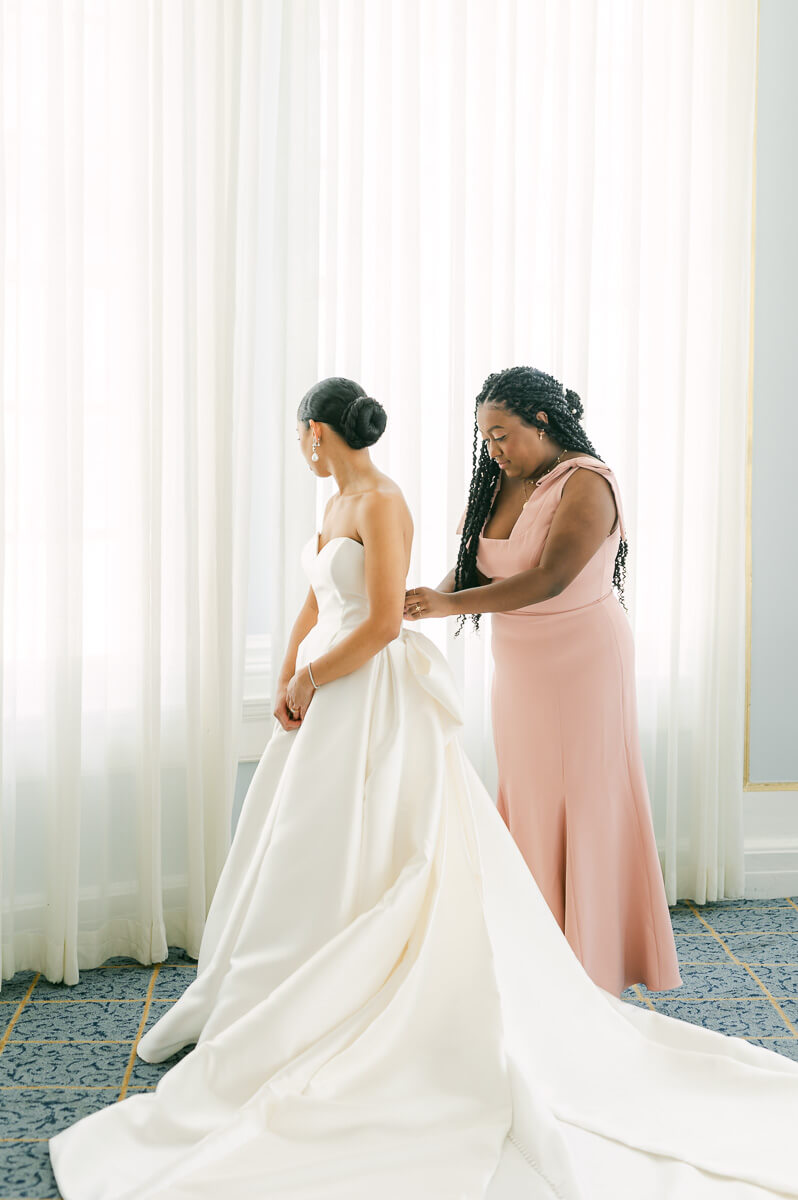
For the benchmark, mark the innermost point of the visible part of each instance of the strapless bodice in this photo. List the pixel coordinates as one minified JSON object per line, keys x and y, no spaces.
{"x":337,"y":575}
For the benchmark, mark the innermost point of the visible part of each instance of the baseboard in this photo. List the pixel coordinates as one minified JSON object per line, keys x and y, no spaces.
{"x":255,"y":731}
{"x":771,"y":868}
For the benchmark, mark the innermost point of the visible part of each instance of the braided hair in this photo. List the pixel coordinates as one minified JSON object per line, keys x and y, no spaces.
{"x":524,"y":392}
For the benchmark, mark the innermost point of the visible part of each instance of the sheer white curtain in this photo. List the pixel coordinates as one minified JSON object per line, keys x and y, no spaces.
{"x":567,"y":184}
{"x":206,"y":203}
{"x":130,"y":139}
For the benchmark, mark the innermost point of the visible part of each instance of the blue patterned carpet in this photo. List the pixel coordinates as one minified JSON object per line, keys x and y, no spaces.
{"x":65,"y":1052}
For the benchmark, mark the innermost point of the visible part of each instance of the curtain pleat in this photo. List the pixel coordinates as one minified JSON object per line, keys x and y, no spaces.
{"x":205,"y":208}
{"x":131,"y":226}
{"x":566,"y":184}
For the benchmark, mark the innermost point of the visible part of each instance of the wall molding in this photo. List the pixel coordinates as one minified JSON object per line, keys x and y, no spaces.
{"x":256,"y":718}
{"x":749,"y":784}
{"x":771,"y":867}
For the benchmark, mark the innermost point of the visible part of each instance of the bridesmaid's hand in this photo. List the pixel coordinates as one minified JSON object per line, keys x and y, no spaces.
{"x":422,"y":602}
{"x":282,"y":711}
{"x":300,"y":694}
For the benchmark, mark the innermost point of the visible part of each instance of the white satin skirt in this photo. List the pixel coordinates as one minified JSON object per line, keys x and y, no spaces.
{"x":385,"y":1007}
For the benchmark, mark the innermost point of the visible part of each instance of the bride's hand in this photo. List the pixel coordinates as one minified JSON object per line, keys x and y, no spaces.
{"x":422,"y":602}
{"x":300,"y":693}
{"x":282,"y":711}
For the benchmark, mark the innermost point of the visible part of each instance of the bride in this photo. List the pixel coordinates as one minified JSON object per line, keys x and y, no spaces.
{"x":384,"y":1004}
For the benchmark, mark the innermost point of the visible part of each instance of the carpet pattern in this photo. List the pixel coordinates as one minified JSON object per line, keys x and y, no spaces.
{"x":68,"y":1051}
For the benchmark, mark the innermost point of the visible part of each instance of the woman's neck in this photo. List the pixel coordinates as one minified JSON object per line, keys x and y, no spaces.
{"x":354,"y":475}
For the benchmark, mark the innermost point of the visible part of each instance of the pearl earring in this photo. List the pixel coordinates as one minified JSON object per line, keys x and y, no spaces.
{"x":314,"y":456}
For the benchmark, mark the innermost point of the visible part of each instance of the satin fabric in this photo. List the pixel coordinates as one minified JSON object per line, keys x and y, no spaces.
{"x":385,"y":1006}
{"x":572,"y":784}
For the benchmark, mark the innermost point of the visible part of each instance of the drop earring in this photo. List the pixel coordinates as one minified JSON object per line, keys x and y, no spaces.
{"x":314,"y":456}
{"x":540,"y":435}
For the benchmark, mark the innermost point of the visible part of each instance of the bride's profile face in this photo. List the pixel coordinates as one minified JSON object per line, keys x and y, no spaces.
{"x":305,"y":439}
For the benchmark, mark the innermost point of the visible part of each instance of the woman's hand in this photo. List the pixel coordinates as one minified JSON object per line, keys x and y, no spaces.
{"x":422,"y":602}
{"x":282,"y":711}
{"x":299,"y":694}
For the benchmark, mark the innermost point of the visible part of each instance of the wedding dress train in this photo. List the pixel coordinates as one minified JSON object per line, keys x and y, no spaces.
{"x":385,"y":1006}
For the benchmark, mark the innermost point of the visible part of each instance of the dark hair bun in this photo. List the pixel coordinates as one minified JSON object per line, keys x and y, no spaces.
{"x":574,"y":404}
{"x":343,"y":405}
{"x":362,"y":422}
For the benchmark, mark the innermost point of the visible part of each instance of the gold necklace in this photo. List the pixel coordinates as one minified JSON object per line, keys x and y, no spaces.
{"x":535,"y":482}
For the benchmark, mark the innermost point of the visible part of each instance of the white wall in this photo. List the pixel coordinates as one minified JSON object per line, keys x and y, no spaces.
{"x":771,"y":816}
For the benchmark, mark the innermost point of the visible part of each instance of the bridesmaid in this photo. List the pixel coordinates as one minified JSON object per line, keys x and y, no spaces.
{"x":543,"y":545}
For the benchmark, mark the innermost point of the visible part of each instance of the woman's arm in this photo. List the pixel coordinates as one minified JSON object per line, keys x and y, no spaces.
{"x":307,"y":618}
{"x":447,"y":583}
{"x":583,"y":519}
{"x":381,"y":523}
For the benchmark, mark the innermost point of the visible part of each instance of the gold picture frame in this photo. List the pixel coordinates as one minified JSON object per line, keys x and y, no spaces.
{"x":750,"y":785}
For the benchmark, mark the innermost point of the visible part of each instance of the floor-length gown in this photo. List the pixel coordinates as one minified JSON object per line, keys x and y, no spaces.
{"x":385,"y":1006}
{"x":572,"y":785}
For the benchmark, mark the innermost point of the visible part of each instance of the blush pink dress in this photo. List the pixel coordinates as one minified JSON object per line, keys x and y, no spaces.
{"x":572,"y":787}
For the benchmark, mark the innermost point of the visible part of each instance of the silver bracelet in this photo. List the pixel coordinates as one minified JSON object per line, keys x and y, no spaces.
{"x":312,"y":680}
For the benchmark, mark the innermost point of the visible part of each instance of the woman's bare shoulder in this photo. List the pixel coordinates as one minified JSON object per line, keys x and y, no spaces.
{"x":590,"y":489}
{"x":588,"y":480}
{"x":386,"y":504}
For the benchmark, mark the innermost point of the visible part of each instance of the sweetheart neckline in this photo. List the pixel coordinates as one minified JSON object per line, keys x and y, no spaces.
{"x":342,"y":537}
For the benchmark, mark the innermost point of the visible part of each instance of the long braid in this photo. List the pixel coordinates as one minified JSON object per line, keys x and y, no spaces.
{"x":484,"y":473}
{"x":524,"y":392}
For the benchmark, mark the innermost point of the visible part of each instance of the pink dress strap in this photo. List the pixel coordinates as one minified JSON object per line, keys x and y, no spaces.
{"x":561,"y":473}
{"x":556,"y":480}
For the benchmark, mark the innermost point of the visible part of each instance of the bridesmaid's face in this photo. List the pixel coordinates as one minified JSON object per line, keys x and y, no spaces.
{"x":515,"y":446}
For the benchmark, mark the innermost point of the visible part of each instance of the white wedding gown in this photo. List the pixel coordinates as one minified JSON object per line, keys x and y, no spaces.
{"x":385,"y":1008}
